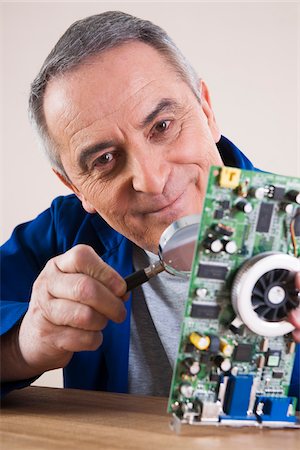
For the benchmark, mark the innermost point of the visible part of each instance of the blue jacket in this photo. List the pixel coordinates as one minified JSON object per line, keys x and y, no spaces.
{"x":62,"y":226}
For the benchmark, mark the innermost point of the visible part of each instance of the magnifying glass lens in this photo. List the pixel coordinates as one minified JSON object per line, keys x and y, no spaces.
{"x":178,"y":252}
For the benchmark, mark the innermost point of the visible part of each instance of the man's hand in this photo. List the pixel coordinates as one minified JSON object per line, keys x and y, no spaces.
{"x":294,"y":316}
{"x":72,"y":300}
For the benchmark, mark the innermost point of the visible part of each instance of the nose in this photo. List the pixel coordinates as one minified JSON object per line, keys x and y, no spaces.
{"x":150,"y":172}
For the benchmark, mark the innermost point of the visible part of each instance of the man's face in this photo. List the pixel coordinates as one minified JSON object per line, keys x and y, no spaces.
{"x":133,"y":139}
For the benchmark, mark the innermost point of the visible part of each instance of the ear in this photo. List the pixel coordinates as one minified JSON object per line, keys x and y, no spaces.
{"x":86,"y":205}
{"x":207,"y":109}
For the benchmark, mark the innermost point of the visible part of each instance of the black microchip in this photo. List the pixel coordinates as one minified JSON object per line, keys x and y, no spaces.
{"x":297,"y":223}
{"x":212,"y":271}
{"x":277,"y":374}
{"x":243,"y":352}
{"x":205,"y":358}
{"x":225,"y":204}
{"x":264,"y":217}
{"x":205,"y":311}
{"x":278,"y":193}
{"x":218,"y":214}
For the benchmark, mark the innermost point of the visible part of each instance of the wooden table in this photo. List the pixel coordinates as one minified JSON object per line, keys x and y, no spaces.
{"x":47,"y":418}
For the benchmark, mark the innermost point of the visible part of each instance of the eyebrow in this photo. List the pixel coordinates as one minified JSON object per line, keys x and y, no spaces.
{"x":86,"y":154}
{"x":165,"y":105}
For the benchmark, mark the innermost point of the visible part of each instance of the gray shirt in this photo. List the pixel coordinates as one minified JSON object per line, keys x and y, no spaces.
{"x":157,"y":313}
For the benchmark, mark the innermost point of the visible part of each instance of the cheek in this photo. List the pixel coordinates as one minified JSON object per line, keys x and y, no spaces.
{"x":196,"y":144}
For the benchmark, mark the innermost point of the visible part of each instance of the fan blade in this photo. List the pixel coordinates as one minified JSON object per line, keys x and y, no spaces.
{"x":281,"y":274}
{"x":270,"y":276}
{"x":256,"y":302}
{"x":262,"y":311}
{"x":293,"y":301}
{"x":258,"y":292}
{"x":261,"y":284}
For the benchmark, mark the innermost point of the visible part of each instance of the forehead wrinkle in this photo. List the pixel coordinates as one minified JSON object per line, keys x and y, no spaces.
{"x":73,"y":135}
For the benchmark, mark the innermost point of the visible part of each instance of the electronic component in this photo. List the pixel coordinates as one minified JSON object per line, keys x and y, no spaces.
{"x":223,"y":363}
{"x":236,"y":350}
{"x":273,"y":358}
{"x":223,"y":230}
{"x":243,"y":352}
{"x":226,"y":348}
{"x":218,"y":214}
{"x":205,"y":311}
{"x":229,"y":177}
{"x":287,"y":208}
{"x":275,"y":409}
{"x":200,"y":342}
{"x":294,"y":195}
{"x":277,"y":374}
{"x":186,"y":389}
{"x":229,"y":246}
{"x":213,"y":244}
{"x":276,"y":192}
{"x":264,"y":217}
{"x":225,"y":204}
{"x":244,"y":206}
{"x":212,"y":271}
{"x":257,"y":193}
{"x":237,"y":395}
{"x":297,"y":223}
{"x":192,"y":365}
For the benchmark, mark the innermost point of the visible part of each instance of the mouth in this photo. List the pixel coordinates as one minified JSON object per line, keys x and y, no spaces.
{"x":163,"y":207}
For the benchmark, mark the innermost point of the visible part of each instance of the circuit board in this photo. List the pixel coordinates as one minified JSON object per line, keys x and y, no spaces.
{"x":236,"y":351}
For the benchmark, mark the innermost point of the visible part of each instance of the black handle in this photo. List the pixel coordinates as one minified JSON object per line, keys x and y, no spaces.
{"x":136,"y":279}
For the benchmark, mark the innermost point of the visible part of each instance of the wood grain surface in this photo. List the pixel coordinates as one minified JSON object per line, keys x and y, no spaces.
{"x":48,"y":418}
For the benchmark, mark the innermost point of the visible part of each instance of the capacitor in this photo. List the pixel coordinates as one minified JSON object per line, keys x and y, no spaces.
{"x":244,"y":206}
{"x":230,"y":247}
{"x":201,"y":292}
{"x":294,"y":196}
{"x":213,"y":244}
{"x":223,"y":363}
{"x":186,"y":389}
{"x":288,"y":208}
{"x":200,"y":342}
{"x":192,"y":365}
{"x":257,"y":193}
{"x":226,"y":348}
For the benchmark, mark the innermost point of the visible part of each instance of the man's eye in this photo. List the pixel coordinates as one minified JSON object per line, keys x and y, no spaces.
{"x":161,"y":126}
{"x":106,"y":158}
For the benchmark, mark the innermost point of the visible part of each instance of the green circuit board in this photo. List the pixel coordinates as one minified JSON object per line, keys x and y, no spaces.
{"x":236,"y":350}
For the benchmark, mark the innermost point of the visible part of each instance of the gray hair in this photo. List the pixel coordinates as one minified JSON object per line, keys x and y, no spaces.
{"x":89,"y":37}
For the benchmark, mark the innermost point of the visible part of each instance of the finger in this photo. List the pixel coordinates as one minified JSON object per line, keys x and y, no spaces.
{"x":74,"y":340}
{"x":297,"y":280}
{"x":75,"y":315}
{"x":296,"y":336}
{"x":294,"y":317}
{"x":88,"y":291}
{"x":83,"y":259}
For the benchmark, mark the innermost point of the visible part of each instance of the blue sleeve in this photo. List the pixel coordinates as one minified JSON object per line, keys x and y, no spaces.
{"x":23,"y":257}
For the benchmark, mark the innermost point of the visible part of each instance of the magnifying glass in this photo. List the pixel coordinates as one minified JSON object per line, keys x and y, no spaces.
{"x":175,"y":251}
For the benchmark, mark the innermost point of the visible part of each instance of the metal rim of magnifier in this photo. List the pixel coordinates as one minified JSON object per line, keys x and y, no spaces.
{"x":170,"y":232}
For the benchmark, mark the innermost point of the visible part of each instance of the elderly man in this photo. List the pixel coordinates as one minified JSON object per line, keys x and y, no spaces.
{"x":129,"y":128}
